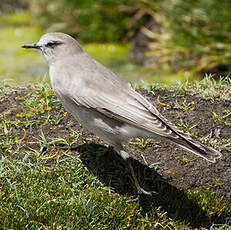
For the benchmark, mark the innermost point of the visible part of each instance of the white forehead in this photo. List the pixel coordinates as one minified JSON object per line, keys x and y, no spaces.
{"x":55,"y":36}
{"x":47,"y":38}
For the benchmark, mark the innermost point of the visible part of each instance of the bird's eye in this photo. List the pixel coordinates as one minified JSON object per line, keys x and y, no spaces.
{"x":52,"y":44}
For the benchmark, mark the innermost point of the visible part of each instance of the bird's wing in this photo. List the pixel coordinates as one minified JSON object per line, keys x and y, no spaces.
{"x":115,"y":99}
{"x":128,"y":106}
{"x":137,"y":111}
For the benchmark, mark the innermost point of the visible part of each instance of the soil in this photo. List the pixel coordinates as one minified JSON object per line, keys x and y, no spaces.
{"x":157,"y":165}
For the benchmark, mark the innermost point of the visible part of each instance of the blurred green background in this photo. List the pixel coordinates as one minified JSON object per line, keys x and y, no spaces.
{"x":140,"y":40}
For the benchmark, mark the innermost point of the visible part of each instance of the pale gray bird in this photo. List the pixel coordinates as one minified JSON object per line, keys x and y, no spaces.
{"x":106,"y":105}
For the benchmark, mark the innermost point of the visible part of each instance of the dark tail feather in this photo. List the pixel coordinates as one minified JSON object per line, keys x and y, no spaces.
{"x":186,"y":142}
{"x":197,"y":148}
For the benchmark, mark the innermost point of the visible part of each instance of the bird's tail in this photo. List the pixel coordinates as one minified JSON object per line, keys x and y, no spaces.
{"x":196,"y":147}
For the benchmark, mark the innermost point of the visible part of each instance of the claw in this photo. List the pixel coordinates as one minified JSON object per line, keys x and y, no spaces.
{"x":142,"y":191}
{"x":133,"y":200}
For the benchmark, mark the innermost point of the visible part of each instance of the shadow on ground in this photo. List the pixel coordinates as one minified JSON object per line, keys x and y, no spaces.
{"x":112,"y":171}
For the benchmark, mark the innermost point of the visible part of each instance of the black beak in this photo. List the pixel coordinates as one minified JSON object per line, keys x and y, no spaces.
{"x":34,"y":45}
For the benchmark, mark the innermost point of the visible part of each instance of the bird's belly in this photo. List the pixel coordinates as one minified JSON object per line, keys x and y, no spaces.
{"x":110,"y":130}
{"x":106,"y":128}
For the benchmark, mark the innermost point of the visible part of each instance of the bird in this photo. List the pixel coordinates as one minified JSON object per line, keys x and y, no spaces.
{"x":105,"y":104}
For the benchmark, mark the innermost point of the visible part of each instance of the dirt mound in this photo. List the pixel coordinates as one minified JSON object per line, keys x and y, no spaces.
{"x":207,"y":120}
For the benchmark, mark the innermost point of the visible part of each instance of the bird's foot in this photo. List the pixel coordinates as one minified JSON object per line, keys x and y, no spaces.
{"x":141,"y":193}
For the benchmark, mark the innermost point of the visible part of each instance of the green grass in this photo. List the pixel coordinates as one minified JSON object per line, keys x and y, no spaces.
{"x":67,"y":195}
{"x":40,"y":190}
{"x":207,"y":88}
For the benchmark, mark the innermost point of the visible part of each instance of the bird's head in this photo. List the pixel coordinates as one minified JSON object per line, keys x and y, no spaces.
{"x":56,"y":45}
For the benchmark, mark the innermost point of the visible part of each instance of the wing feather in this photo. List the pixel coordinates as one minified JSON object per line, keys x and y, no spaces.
{"x":133,"y":109}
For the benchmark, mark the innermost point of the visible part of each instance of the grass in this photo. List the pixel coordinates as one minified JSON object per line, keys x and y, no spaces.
{"x":208,"y":88}
{"x":67,"y":195}
{"x":44,"y":186}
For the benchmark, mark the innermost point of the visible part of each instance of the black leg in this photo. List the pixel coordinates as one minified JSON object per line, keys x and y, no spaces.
{"x":120,"y":150}
{"x":140,"y":190}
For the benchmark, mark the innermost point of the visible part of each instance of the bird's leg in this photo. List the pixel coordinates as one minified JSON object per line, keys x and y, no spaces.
{"x":140,"y":190}
{"x":126,"y":157}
